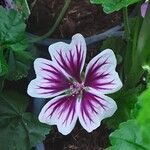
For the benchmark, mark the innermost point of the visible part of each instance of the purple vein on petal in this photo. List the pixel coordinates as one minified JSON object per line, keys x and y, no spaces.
{"x":93,"y":70}
{"x":65,"y":105}
{"x":55,"y":80}
{"x":71,"y":110}
{"x":96,"y":79}
{"x":71,"y":62}
{"x":87,"y":105}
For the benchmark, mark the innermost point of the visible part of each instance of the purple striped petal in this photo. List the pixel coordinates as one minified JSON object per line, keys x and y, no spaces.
{"x":9,"y":4}
{"x":101,"y":75}
{"x":144,"y":8}
{"x":60,"y":111}
{"x":49,"y":82}
{"x":70,"y":57}
{"x":93,"y":108}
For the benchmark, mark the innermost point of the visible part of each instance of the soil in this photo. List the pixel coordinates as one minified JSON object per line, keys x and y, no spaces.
{"x":82,"y":17}
{"x":79,"y":139}
{"x":87,"y":19}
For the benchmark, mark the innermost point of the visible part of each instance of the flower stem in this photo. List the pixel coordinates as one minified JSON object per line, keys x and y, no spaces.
{"x":1,"y":83}
{"x":52,"y":29}
{"x":126,"y":23}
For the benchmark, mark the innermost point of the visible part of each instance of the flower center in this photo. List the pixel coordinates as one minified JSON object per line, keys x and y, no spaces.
{"x":77,"y":88}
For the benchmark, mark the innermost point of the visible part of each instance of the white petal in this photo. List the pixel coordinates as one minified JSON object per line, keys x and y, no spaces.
{"x":49,"y":82}
{"x":60,"y":111}
{"x":70,"y":57}
{"x":101,"y":75}
{"x":93,"y":108}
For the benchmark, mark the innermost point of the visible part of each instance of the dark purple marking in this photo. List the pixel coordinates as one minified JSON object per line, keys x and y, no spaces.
{"x":94,"y":78}
{"x":86,"y":104}
{"x":66,"y":105}
{"x":72,"y":62}
{"x":56,"y":80}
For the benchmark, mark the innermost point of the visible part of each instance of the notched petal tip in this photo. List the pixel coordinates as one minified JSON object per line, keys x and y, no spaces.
{"x":56,"y":46}
{"x":33,"y":89}
{"x":107,"y":50}
{"x":30,"y":89}
{"x":93,"y":108}
{"x":110,"y":53}
{"x":120,"y":84}
{"x":70,"y":57}
{"x":78,"y":36}
{"x":60,"y":111}
{"x":101,"y":73}
{"x":49,"y":81}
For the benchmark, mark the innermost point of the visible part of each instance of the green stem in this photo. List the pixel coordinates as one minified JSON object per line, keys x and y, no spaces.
{"x":127,"y":62}
{"x":136,"y":72}
{"x":2,"y":79}
{"x":126,"y":23}
{"x":1,"y":83}
{"x":59,"y":19}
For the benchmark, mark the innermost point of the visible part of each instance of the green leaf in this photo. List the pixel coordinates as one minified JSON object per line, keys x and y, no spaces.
{"x":113,"y":5}
{"x":143,"y":52}
{"x":3,"y":64}
{"x":118,"y":45}
{"x":12,"y":26}
{"x":19,"y":65}
{"x":23,"y":8}
{"x":36,"y":131}
{"x":132,"y":74}
{"x":127,"y":137}
{"x":115,"y":43}
{"x":15,"y":60}
{"x":144,"y":115}
{"x":125,"y":102}
{"x":19,"y":130}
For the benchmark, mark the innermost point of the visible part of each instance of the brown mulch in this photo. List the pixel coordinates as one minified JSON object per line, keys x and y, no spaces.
{"x":79,"y":139}
{"x":82,"y":17}
{"x":87,"y":19}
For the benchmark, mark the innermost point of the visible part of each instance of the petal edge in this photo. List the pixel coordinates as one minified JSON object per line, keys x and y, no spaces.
{"x":101,"y":75}
{"x":94,"y":108}
{"x":70,"y":57}
{"x":60,"y":111}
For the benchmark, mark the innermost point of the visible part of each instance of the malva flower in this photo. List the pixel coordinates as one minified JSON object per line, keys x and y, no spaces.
{"x":144,"y":8}
{"x":77,"y":95}
{"x":9,"y":4}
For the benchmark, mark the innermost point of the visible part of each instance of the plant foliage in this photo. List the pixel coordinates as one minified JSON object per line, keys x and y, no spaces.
{"x":113,"y":5}
{"x":127,"y":137}
{"x":19,"y":130}
{"x":14,"y":59}
{"x":23,"y":8}
{"x":144,"y":117}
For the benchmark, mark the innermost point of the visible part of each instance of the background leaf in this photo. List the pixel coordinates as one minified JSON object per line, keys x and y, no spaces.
{"x":23,"y":8}
{"x":125,"y":102}
{"x":3,"y":64}
{"x":144,"y":117}
{"x":15,"y":59}
{"x":140,"y":51}
{"x":19,"y":130}
{"x":113,"y":5}
{"x":127,"y":137}
{"x":125,"y":98}
{"x":143,"y":47}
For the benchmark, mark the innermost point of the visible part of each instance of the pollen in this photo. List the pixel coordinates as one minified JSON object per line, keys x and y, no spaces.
{"x":77,"y":88}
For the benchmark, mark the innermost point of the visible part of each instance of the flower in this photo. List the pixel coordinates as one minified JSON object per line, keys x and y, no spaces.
{"x":144,"y":8}
{"x":9,"y":4}
{"x":77,"y":96}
